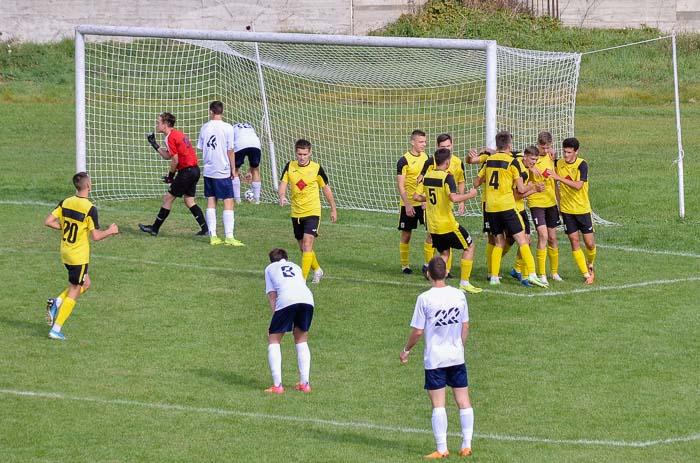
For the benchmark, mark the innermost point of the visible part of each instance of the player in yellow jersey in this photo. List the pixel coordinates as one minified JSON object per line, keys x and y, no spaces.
{"x":500,"y":174}
{"x":544,"y":210}
{"x":439,"y":191}
{"x":572,"y":175}
{"x":456,"y":168}
{"x":76,"y":217}
{"x":480,"y":157}
{"x":408,"y":168}
{"x":305,"y":178}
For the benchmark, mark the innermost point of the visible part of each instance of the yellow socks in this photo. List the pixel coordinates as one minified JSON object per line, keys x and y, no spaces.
{"x":489,"y":256}
{"x":314,"y":263}
{"x":449,"y":263}
{"x":465,"y":269}
{"x":528,"y":260}
{"x":495,"y":266}
{"x":542,"y":261}
{"x":591,"y":253}
{"x":306,"y":259}
{"x":553,"y":254}
{"x":403,"y":253}
{"x":580,"y":260}
{"x":428,"y":251}
{"x":65,"y":311}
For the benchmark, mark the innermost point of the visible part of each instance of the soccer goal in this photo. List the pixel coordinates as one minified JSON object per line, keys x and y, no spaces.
{"x":357,"y":99}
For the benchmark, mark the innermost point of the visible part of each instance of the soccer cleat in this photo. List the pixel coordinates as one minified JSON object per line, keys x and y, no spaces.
{"x":148,"y":229}
{"x":494,"y":281}
{"x":556,"y":277}
{"x":470,"y":288}
{"x":215,"y":240}
{"x":51,"y":311}
{"x":526,"y":283}
{"x":537,"y":282}
{"x":589,"y":279}
{"x":275,"y":389}
{"x":425,"y":272}
{"x":202,"y":233}
{"x":465,"y":452}
{"x":437,"y":455}
{"x":303,"y":387}
{"x":318,"y":274}
{"x":232,"y":242}
{"x":56,"y":335}
{"x":543,"y":279}
{"x":517,"y":275}
{"x":406,"y":270}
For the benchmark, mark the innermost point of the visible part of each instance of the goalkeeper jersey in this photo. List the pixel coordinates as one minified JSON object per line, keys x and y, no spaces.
{"x":179,"y":145}
{"x":305,"y":183}
{"x":78,"y":217}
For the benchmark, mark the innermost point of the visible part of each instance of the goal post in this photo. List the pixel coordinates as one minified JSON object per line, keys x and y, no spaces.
{"x":357,"y":99}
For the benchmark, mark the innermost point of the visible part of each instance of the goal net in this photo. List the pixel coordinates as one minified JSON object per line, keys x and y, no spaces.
{"x":357,"y":99}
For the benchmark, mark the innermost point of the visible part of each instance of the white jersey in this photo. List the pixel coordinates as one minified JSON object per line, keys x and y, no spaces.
{"x":244,"y":136}
{"x":286,"y":279}
{"x":440,"y":312}
{"x":215,"y":139}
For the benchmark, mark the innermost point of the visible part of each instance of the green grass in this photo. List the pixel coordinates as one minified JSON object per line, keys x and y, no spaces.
{"x":166,"y":357}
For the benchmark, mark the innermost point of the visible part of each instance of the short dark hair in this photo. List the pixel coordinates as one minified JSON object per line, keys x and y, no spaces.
{"x":302,"y":144}
{"x":570,"y":143}
{"x":503,"y":139}
{"x":441,"y":155}
{"x":277,"y":255}
{"x":532,"y":149}
{"x":437,"y":269}
{"x":168,"y":119}
{"x":544,"y":137}
{"x":443,"y":137}
{"x":417,"y":133}
{"x":216,"y":107}
{"x":80,"y":180}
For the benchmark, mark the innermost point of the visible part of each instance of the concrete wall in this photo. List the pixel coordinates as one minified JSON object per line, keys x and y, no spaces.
{"x":683,"y":15}
{"x":50,"y":20}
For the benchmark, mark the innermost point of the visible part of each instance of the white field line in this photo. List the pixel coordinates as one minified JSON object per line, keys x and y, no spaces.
{"x":335,"y":423}
{"x":400,"y":281}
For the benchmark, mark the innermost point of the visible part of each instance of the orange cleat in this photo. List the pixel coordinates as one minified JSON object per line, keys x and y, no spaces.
{"x":275,"y":389}
{"x":303,"y":387}
{"x":465,"y":452}
{"x":437,"y":455}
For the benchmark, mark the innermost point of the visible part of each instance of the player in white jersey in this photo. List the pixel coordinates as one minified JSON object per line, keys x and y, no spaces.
{"x":442,"y":314}
{"x":292,"y":306}
{"x":216,"y":142}
{"x":247,"y":143}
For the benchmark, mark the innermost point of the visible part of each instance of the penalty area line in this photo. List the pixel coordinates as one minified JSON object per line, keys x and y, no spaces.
{"x":336,"y":423}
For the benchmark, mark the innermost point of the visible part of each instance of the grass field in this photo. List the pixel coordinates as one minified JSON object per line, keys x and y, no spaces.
{"x":166,"y":356}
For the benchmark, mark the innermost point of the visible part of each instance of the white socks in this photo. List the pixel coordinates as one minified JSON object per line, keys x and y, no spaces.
{"x":304,"y":360}
{"x":256,"y":190}
{"x":466,"y":418}
{"x":440,"y":428}
{"x":274,"y":357}
{"x":237,"y":189}
{"x":210,"y":217}
{"x":228,"y":223}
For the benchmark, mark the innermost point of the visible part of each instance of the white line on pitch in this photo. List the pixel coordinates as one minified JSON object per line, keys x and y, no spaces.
{"x":649,"y":251}
{"x":339,"y":424}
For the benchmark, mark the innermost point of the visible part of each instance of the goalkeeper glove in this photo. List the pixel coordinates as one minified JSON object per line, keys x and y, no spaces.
{"x":168,"y":178}
{"x":151,"y":137}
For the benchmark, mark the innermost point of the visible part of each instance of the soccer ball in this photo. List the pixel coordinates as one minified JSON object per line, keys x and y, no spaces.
{"x":249,"y":196}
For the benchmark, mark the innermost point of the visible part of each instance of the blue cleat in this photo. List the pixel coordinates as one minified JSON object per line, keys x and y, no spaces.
{"x":51,"y":311}
{"x":517,"y":275}
{"x":56,"y":335}
{"x":526,"y":283}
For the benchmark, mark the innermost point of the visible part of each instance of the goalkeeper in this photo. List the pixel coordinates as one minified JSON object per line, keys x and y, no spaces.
{"x":182,"y":176}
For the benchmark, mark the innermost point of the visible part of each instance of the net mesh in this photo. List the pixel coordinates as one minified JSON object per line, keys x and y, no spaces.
{"x":357,"y":105}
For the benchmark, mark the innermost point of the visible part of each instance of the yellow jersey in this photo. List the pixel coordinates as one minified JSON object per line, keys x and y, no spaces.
{"x":436,"y":187}
{"x":77,"y":216}
{"x":548,"y":197}
{"x":573,"y":201}
{"x":410,"y":166}
{"x":499,"y":173}
{"x":305,"y":183}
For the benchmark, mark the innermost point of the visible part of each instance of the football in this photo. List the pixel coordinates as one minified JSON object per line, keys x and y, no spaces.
{"x":249,"y":196}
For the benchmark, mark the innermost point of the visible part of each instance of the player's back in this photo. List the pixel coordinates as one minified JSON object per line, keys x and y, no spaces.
{"x":500,"y":172}
{"x":437,"y":186}
{"x":244,"y":136}
{"x":286,"y":279}
{"x":215,"y":139}
{"x":78,"y":216}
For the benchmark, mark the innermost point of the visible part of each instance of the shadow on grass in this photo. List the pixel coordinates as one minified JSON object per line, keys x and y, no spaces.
{"x":231,"y":378}
{"x":27,"y":328}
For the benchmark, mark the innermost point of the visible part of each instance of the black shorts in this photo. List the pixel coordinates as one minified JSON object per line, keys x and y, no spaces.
{"x":509,"y":222}
{"x":487,"y":228}
{"x":185,"y":182}
{"x":253,"y":154}
{"x":577,"y":222}
{"x":526,"y":222}
{"x":454,"y":376}
{"x":411,"y":223}
{"x":305,"y":226}
{"x":458,"y":239}
{"x":293,"y":316}
{"x":77,"y":273}
{"x":548,"y":216}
